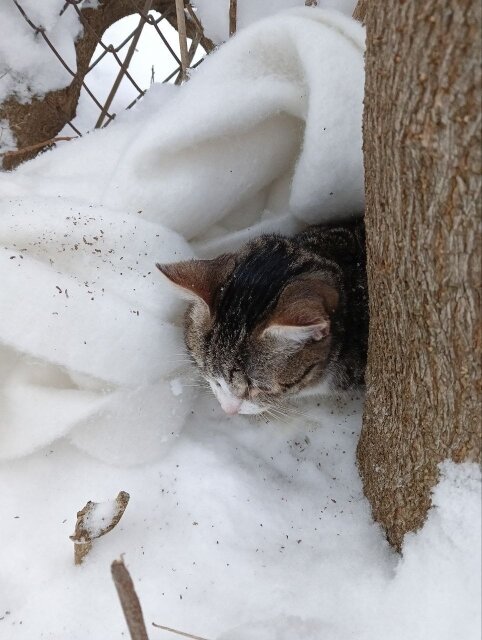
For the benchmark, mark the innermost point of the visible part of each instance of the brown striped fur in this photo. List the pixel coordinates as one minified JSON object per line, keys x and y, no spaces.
{"x":280,"y":316}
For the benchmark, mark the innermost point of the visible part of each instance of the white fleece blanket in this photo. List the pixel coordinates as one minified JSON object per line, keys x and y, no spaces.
{"x":265,"y":135}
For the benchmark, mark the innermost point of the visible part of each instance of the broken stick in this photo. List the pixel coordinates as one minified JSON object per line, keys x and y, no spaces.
{"x":129,"y":600}
{"x":95,"y":520}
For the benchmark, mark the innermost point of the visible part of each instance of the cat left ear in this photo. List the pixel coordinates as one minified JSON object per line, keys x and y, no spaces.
{"x":197,"y":279}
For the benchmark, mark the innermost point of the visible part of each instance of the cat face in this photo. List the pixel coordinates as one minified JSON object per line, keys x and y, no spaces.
{"x":259,"y":324}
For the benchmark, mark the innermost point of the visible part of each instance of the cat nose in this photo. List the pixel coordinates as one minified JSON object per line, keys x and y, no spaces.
{"x":231,"y":406}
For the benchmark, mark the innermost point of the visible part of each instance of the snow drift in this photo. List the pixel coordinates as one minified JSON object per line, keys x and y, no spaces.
{"x":265,"y":135}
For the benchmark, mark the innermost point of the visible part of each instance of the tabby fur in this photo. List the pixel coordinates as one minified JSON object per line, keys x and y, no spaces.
{"x":280,"y":318}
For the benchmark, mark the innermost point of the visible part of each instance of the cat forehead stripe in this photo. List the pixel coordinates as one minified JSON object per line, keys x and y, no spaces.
{"x":256,"y":283}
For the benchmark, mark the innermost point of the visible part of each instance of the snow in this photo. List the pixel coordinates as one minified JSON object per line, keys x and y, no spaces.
{"x":214,"y":14}
{"x":236,"y":529}
{"x":26,"y":61}
{"x":176,"y":386}
{"x":87,"y":223}
{"x":260,"y":528}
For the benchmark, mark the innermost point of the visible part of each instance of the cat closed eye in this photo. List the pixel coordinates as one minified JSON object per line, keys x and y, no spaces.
{"x":257,"y":390}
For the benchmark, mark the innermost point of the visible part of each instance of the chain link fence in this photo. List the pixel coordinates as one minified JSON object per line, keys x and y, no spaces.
{"x":36,"y":125}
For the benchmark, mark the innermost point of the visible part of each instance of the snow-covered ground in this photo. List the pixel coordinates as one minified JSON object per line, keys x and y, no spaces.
{"x":236,"y":529}
{"x":240,"y":530}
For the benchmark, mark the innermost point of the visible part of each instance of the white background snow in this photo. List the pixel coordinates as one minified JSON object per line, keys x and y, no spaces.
{"x":236,"y":529}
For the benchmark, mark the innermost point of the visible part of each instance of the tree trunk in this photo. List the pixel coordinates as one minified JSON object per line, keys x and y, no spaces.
{"x":422,"y":151}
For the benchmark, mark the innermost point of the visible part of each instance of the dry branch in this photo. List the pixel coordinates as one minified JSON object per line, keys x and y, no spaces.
{"x":129,"y":600}
{"x":8,"y":156}
{"x":207,"y":44}
{"x":181,"y":29}
{"x":179,"y":633}
{"x":87,"y":530}
{"x":233,"y":10}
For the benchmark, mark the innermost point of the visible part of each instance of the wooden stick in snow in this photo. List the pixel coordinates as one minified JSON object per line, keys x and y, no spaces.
{"x":233,"y":10}
{"x":181,"y":29}
{"x":129,"y":600}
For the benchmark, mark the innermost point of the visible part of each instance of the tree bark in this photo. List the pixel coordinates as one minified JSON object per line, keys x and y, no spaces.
{"x":360,"y":11}
{"x":422,"y":152}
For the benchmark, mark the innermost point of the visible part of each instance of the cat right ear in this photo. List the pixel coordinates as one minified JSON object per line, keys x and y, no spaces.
{"x":304,"y":310}
{"x":197,"y":279}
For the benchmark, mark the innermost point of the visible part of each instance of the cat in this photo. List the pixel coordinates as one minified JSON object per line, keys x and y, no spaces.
{"x":280,"y":318}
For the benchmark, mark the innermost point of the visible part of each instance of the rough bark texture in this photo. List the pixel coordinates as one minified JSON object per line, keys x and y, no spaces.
{"x":42,"y":118}
{"x":422,"y":149}
{"x":360,"y":11}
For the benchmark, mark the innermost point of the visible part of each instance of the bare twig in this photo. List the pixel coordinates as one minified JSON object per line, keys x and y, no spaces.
{"x":360,"y":11}
{"x":179,"y":633}
{"x":124,"y":67}
{"x":233,"y":10}
{"x":87,"y":530}
{"x":190,"y":54}
{"x":181,"y":29}
{"x":193,"y":48}
{"x":206,"y":42}
{"x":129,"y":600}
{"x":34,"y":147}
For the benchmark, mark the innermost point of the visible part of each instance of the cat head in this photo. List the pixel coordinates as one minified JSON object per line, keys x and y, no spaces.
{"x":259,"y":326}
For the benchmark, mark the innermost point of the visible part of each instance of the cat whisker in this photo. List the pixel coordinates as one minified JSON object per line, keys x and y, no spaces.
{"x":294,"y":412}
{"x":290,"y":410}
{"x":275,"y":414}
{"x":194,"y":378}
{"x":271,"y":414}
{"x":194,"y":386}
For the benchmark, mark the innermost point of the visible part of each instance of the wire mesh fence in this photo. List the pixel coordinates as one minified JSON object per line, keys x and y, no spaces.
{"x":44,"y":120}
{"x":124,"y":51}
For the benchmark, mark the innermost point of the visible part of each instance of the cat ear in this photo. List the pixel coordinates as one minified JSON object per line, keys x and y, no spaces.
{"x":299,"y":333}
{"x":303,"y":311}
{"x":197,"y":279}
